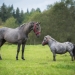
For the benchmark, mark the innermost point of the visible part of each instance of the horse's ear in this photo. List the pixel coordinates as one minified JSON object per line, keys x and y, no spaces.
{"x":39,"y":22}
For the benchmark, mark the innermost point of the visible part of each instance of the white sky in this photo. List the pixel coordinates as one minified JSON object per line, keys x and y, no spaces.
{"x":28,"y":4}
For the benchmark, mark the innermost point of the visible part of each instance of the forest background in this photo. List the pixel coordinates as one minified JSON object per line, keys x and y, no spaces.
{"x":57,"y":20}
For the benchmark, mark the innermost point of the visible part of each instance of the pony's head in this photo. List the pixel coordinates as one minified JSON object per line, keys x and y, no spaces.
{"x":37,"y":28}
{"x":45,"y":40}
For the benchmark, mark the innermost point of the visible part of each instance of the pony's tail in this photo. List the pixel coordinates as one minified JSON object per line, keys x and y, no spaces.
{"x":73,"y":50}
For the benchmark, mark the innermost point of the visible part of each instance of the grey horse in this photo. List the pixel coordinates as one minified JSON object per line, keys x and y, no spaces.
{"x":19,"y":35}
{"x":59,"y":48}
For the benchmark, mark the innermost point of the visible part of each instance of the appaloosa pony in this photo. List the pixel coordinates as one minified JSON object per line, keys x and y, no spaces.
{"x":59,"y":48}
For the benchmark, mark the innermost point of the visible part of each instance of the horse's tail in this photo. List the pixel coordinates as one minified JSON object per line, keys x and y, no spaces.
{"x":73,"y":50}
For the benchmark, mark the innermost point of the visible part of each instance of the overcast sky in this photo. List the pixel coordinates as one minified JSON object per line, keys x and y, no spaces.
{"x":28,"y":4}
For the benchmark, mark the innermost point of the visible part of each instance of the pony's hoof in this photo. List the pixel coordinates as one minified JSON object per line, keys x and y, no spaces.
{"x":16,"y":58}
{"x":54,"y":60}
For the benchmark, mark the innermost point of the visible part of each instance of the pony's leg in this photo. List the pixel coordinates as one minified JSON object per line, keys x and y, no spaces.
{"x":23,"y":46}
{"x":54,"y":55}
{"x":0,"y":57}
{"x":18,"y":50}
{"x":0,"y":54}
{"x":71,"y":54}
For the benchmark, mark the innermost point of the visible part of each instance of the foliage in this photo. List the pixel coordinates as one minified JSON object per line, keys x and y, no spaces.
{"x":11,"y":22}
{"x":38,"y":62}
{"x":57,"y":22}
{"x":8,"y":11}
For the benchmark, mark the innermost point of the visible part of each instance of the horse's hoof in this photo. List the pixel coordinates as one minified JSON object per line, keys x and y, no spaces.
{"x":23,"y":59}
{"x":0,"y":58}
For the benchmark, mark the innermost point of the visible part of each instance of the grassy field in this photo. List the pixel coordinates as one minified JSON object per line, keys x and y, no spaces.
{"x":38,"y":62}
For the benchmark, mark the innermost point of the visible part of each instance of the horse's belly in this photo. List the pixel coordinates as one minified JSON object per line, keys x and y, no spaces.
{"x":11,"y":39}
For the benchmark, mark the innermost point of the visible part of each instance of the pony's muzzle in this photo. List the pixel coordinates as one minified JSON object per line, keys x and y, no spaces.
{"x":43,"y":44}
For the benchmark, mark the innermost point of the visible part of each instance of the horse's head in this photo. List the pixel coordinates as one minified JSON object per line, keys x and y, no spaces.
{"x":37,"y":28}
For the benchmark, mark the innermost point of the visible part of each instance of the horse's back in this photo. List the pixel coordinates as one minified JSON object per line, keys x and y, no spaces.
{"x":11,"y":35}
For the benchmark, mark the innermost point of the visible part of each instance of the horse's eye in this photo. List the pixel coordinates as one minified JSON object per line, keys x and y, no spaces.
{"x":37,"y":28}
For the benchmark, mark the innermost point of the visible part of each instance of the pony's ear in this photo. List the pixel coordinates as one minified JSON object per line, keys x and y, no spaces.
{"x":47,"y":37}
{"x":39,"y":22}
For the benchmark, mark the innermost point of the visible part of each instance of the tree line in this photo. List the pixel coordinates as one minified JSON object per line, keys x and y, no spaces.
{"x":57,"y":20}
{"x":15,"y":16}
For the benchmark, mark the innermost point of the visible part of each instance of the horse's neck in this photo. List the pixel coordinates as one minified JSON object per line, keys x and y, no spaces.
{"x":27,"y":29}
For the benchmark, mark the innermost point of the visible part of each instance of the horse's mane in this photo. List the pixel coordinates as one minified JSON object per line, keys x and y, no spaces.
{"x":24,"y":24}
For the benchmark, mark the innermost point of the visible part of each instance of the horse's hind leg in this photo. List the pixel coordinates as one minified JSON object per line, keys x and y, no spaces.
{"x":74,"y":57}
{"x":1,"y":43}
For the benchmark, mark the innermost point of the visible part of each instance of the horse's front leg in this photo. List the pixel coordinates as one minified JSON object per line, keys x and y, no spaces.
{"x":23,"y":46}
{"x":18,"y":50}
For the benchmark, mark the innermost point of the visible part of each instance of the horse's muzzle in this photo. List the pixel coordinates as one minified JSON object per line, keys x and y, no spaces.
{"x":38,"y":35}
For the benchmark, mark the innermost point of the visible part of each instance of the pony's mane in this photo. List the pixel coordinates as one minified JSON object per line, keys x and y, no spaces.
{"x":52,"y":38}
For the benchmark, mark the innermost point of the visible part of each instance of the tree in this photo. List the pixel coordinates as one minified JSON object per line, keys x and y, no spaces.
{"x":17,"y":15}
{"x":21,"y":17}
{"x":27,"y":11}
{"x":32,"y":10}
{"x":49,"y":7}
{"x":11,"y":22}
{"x":3,"y":12}
{"x":38,"y":10}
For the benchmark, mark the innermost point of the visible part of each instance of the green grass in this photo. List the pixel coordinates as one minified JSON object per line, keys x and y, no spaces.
{"x":38,"y":62}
